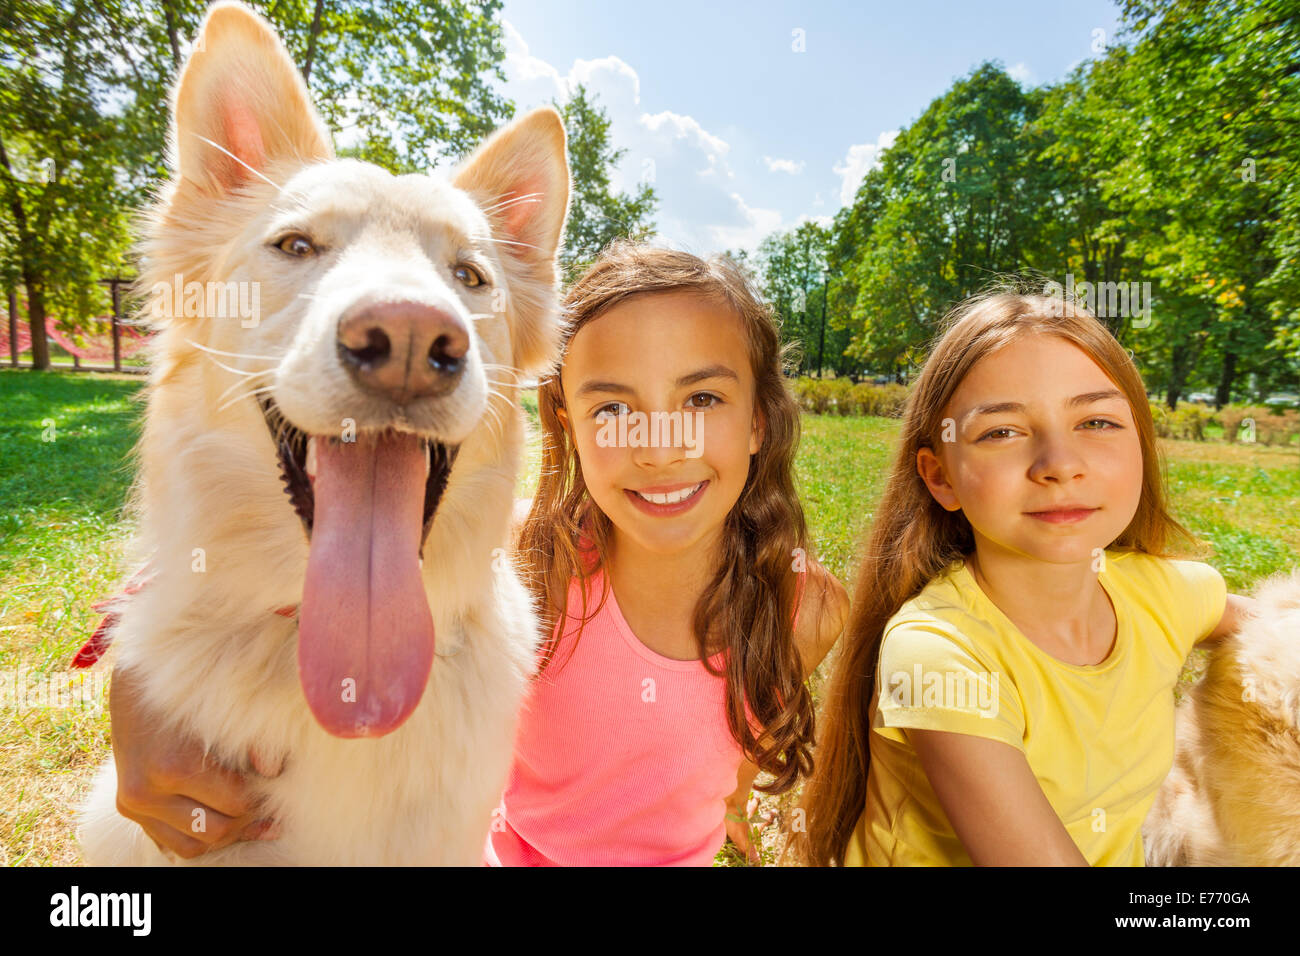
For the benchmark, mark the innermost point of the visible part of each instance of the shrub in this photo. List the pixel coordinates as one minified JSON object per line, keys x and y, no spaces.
{"x":1231,"y":417}
{"x":1189,"y":421}
{"x":841,"y":397}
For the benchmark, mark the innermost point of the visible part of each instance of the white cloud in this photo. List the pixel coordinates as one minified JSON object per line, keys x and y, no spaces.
{"x":755,"y":224}
{"x":1022,"y":75}
{"x":597,"y":74}
{"x":793,"y":167}
{"x":533,"y":82}
{"x":700,"y":208}
{"x":860,"y":158}
{"x":532,"y":79}
{"x":675,"y":126}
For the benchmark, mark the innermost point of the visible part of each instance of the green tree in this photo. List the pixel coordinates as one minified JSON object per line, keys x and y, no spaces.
{"x":794,"y":279}
{"x":83,"y":112}
{"x":953,"y":205}
{"x":1210,"y":163}
{"x":597,"y":214}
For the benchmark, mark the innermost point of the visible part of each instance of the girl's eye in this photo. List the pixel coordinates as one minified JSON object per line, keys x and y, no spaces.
{"x":468,"y":276}
{"x":1090,"y":421}
{"x":709,"y":400}
{"x":612,"y":410}
{"x":296,"y":244}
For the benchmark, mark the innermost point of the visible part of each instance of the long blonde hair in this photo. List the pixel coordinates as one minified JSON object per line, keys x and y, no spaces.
{"x":748,"y":606}
{"x":913,"y":539}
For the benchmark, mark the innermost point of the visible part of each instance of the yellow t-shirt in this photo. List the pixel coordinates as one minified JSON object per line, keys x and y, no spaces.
{"x":1099,"y":738}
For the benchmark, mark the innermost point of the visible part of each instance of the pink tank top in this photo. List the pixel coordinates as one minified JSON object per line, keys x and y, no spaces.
{"x":623,"y":756}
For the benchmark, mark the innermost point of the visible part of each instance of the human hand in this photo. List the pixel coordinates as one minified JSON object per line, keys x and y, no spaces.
{"x":187,"y":804}
{"x":738,"y":828}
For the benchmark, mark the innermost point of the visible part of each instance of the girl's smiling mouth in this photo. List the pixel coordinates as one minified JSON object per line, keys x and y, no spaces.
{"x":666,"y":500}
{"x":1063,"y":515}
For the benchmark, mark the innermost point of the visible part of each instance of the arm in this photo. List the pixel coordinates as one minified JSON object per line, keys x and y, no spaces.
{"x":824,"y":614}
{"x":738,"y":811}
{"x":993,"y":801}
{"x":1235,"y":612}
{"x":826,"y":608}
{"x":161,"y":779}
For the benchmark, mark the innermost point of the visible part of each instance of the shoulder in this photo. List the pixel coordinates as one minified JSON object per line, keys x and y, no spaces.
{"x":943,"y":623}
{"x":1189,"y":597}
{"x":822,"y":616}
{"x":1167,"y":574}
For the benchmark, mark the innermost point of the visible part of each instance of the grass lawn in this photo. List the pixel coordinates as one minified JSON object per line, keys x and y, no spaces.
{"x":64,"y":441}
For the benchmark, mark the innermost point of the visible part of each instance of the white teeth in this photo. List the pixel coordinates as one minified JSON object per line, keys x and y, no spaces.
{"x":672,"y":497}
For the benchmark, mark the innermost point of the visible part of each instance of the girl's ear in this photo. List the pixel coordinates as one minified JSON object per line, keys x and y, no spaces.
{"x":562,"y":414}
{"x":930,"y":468}
{"x":757,"y":431}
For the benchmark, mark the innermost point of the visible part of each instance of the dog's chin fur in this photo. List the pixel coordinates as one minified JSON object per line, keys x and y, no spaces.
{"x":213,"y":661}
{"x":1233,"y":796}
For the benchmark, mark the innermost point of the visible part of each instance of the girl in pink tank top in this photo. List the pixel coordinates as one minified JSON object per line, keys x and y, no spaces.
{"x":667,"y":552}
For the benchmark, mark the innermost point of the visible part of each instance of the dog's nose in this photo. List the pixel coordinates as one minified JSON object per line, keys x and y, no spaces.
{"x":403,"y":350}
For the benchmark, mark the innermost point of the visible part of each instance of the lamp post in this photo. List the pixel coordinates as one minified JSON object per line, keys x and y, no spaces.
{"x":821,"y":344}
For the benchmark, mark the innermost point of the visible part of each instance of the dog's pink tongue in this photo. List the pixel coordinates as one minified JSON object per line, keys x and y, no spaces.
{"x":365,"y":633}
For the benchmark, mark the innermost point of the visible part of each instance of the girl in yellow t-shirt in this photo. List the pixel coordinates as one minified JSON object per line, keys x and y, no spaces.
{"x":1007,"y":676}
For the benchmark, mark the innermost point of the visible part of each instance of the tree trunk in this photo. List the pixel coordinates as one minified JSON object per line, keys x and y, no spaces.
{"x":31,"y":279}
{"x":172,"y":38}
{"x":311,"y":40}
{"x":36,"y":319}
{"x":1178,"y":368}
{"x":1223,"y":395}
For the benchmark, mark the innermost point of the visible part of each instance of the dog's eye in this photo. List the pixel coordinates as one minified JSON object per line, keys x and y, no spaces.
{"x":296,"y":244}
{"x":467,"y":275}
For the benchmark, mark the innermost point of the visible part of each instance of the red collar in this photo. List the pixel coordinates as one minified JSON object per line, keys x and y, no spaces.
{"x":95,"y":648}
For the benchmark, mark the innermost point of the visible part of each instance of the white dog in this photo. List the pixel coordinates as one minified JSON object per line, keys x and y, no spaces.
{"x":358,"y":337}
{"x":1233,"y":796}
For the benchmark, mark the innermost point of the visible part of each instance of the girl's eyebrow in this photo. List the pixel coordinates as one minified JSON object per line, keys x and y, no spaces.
{"x":1087,"y":398}
{"x":712,"y":371}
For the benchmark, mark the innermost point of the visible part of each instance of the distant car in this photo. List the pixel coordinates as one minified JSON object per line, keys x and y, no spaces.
{"x":1285,"y":399}
{"x":1207,"y":397}
{"x":882,"y":380}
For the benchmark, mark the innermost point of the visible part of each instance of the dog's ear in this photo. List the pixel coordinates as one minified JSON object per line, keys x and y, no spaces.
{"x":241,"y":105}
{"x":520,"y":179}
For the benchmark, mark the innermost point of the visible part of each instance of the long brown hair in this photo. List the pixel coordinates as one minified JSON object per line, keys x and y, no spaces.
{"x":913,"y":539}
{"x":748,"y":606}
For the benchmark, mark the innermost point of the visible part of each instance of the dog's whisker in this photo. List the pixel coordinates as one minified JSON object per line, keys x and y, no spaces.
{"x":244,"y":381}
{"x":238,"y":160}
{"x":497,"y":425}
{"x":250,"y":394}
{"x":506,"y":204}
{"x":260,"y":358}
{"x":236,"y":371}
{"x":507,"y":242}
{"x":513,"y":373}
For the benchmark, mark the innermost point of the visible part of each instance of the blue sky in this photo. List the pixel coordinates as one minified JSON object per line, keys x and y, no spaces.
{"x":741,"y":134}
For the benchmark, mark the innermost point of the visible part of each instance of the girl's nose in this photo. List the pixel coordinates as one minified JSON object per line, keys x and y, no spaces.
{"x":663,"y":442}
{"x":1056,"y":458}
